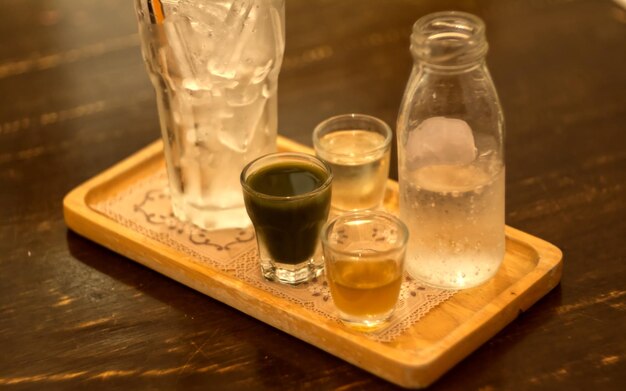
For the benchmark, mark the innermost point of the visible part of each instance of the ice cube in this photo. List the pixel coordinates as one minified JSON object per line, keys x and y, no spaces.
{"x":440,"y":141}
{"x":190,"y":30}
{"x":260,"y":73}
{"x":236,"y":133}
{"x":242,"y":94}
{"x":177,"y":29}
{"x":207,"y":16}
{"x":237,"y":29}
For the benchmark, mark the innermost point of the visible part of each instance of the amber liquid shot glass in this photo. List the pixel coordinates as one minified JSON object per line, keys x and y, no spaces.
{"x":364,"y":256}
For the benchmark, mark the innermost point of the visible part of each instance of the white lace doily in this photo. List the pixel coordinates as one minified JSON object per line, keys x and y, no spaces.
{"x":145,"y":208}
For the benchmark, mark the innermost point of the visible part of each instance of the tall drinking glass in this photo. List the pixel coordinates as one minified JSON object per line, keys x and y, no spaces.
{"x":214,"y":66}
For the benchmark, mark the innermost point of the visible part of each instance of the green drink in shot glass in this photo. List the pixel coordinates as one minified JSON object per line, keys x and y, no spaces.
{"x":287,"y":197}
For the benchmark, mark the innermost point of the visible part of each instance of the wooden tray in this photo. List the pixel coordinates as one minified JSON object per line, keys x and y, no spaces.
{"x":448,"y":333}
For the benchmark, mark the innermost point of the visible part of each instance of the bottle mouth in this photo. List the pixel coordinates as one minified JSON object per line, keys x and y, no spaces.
{"x":449,"y":39}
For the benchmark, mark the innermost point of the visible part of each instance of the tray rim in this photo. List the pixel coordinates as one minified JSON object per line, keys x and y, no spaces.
{"x":415,"y":368}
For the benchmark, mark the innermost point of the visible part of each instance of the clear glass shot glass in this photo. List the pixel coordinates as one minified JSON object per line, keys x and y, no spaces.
{"x":364,"y":256}
{"x":287,"y":197}
{"x":357,"y":148}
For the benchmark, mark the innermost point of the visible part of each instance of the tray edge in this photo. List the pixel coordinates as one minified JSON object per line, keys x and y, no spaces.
{"x":416,"y":371}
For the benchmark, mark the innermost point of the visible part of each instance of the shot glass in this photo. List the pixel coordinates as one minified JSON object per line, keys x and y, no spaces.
{"x":364,"y":256}
{"x":357,"y":148}
{"x":287,"y":197}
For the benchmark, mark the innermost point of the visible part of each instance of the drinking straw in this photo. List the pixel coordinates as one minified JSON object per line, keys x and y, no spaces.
{"x":155,"y":9}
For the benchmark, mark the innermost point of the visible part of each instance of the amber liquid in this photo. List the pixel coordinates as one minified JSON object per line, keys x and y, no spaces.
{"x":365,"y":288}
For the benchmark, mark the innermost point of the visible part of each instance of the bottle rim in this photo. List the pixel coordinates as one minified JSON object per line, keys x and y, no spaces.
{"x":449,"y":40}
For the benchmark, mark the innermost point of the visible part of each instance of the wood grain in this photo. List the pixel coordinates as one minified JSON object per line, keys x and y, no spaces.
{"x":531,"y":268}
{"x":75,"y":99}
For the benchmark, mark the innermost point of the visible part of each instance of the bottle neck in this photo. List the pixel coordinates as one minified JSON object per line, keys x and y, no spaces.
{"x":449,"y":42}
{"x":450,"y":70}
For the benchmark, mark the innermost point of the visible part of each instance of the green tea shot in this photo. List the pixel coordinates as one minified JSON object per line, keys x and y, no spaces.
{"x":287,"y":197}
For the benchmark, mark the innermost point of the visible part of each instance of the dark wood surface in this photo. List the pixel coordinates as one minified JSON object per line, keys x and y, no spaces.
{"x":75,"y":99}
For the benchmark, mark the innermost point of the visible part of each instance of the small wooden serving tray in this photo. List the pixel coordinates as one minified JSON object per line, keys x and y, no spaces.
{"x":443,"y":337}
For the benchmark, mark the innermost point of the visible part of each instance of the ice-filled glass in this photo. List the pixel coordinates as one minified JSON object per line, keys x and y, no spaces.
{"x":214,"y":65}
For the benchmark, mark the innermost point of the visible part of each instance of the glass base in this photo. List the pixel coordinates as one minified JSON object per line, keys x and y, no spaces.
{"x":284,"y":273}
{"x":454,"y":283}
{"x":334,"y":211}
{"x":212,"y":218}
{"x":366,"y":323}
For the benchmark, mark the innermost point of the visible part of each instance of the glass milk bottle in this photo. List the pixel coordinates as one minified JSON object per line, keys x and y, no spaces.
{"x":451,"y":156}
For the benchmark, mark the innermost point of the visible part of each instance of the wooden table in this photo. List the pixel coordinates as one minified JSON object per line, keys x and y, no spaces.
{"x":75,"y":99}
